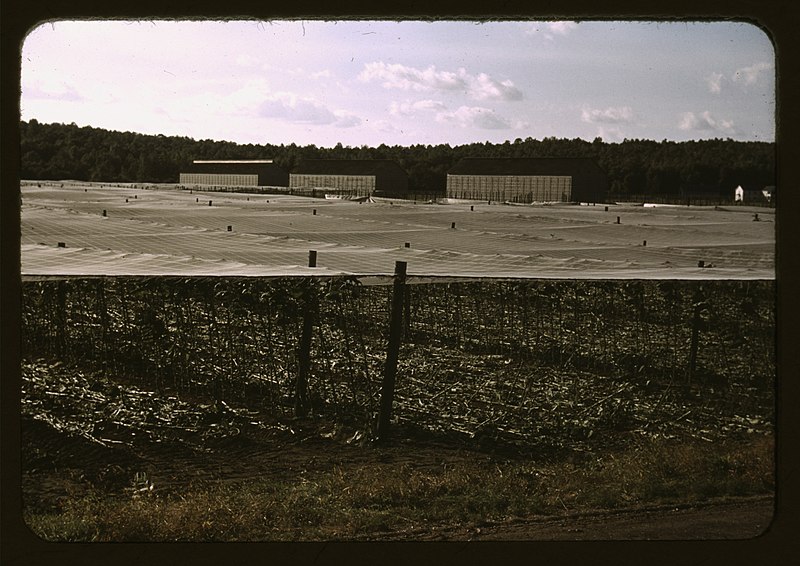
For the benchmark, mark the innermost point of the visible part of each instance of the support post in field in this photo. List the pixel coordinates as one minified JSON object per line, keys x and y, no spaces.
{"x":407,"y":312}
{"x":301,"y":404}
{"x":104,"y":332}
{"x":312,"y":258}
{"x":617,"y":219}
{"x":62,"y":328}
{"x":694,"y":345}
{"x":393,"y":350}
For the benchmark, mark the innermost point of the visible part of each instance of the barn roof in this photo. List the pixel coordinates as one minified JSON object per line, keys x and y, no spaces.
{"x":248,"y":161}
{"x":348,"y":167}
{"x":231,"y":166}
{"x":525,"y":166}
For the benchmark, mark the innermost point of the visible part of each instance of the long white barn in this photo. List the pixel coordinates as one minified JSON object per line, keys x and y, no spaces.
{"x":527,"y":180}
{"x":232,"y":172}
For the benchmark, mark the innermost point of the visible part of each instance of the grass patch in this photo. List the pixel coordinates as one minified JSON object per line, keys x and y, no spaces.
{"x":352,"y":501}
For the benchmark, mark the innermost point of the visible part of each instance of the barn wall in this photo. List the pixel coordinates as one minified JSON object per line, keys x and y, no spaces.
{"x":235,"y":174}
{"x":590,"y":186}
{"x":512,"y":188}
{"x":225,"y":179}
{"x":392,"y":181}
{"x":356,"y":185}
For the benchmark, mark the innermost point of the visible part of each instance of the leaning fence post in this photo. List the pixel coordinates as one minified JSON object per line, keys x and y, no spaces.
{"x":696,"y":321}
{"x":393,"y":349}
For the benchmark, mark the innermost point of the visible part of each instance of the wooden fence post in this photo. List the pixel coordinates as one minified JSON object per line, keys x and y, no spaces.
{"x":393,"y":349}
{"x":62,"y":341}
{"x":406,"y":312}
{"x":693,"y":347}
{"x":301,"y":405}
{"x":104,"y":330}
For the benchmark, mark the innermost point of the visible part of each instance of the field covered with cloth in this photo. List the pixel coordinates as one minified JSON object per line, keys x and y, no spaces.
{"x":165,"y":230}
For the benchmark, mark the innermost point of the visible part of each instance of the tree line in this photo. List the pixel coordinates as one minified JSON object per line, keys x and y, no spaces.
{"x":634,"y":167}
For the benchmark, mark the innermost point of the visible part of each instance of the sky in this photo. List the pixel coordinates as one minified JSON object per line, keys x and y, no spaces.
{"x":366,"y":83}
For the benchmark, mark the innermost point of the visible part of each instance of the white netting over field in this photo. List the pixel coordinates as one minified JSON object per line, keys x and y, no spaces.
{"x":167,"y":231}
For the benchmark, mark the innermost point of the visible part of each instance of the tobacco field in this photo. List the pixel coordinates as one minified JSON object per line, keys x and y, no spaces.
{"x":528,"y":365}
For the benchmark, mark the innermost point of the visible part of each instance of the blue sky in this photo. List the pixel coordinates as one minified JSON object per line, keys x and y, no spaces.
{"x":403,"y":83}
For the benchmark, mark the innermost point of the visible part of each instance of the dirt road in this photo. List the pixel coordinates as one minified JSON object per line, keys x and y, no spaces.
{"x":733,"y":520}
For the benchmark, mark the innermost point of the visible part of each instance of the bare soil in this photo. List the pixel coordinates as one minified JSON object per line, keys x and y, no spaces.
{"x":740,"y":518}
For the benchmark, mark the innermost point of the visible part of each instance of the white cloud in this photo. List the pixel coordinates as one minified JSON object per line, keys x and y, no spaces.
{"x":326,"y":74}
{"x":714,"y":82}
{"x":705,"y":122}
{"x":550,"y":29}
{"x":611,"y":115}
{"x":292,"y":108}
{"x":484,"y":87}
{"x":410,"y":108}
{"x":478,"y":87}
{"x":745,"y":75}
{"x":256,"y":98}
{"x":561,"y":28}
{"x":346,"y":119}
{"x":750,"y":74}
{"x":612,"y":134}
{"x":408,"y":78}
{"x":384,"y":126}
{"x":296,"y":109}
{"x":474,"y":117}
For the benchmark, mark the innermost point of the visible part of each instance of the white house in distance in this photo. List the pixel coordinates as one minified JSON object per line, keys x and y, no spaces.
{"x":753,"y":196}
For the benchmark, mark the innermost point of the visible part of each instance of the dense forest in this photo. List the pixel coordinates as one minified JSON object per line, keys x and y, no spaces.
{"x":634,"y":167}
